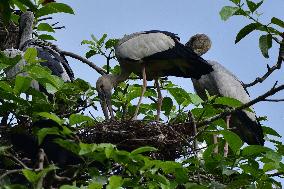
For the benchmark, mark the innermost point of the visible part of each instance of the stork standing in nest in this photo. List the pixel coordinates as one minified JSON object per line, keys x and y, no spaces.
{"x":221,"y":82}
{"x":150,"y":55}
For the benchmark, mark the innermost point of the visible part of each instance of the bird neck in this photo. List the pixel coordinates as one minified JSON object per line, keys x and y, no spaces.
{"x":25,"y":28}
{"x":116,"y":79}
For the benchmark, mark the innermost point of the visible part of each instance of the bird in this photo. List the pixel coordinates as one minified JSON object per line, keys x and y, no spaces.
{"x":150,"y":55}
{"x":221,"y":82}
{"x":46,"y":51}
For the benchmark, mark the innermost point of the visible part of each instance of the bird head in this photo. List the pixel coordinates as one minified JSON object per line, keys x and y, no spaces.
{"x":199,"y":43}
{"x":104,"y":87}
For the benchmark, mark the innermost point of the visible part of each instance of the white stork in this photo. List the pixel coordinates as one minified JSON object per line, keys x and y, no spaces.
{"x":150,"y":55}
{"x":222,"y":82}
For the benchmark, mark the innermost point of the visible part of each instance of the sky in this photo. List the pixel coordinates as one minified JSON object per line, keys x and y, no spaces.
{"x":186,"y":18}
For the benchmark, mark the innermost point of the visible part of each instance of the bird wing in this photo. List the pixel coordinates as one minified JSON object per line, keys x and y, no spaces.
{"x":140,"y":45}
{"x":54,"y":60}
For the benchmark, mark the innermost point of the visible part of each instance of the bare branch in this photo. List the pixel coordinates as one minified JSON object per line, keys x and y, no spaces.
{"x":270,"y":70}
{"x":274,"y":100}
{"x":84,"y":60}
{"x":46,"y":18}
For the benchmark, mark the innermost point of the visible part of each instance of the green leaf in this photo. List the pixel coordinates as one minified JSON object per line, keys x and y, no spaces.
{"x":45,"y":27}
{"x":227,"y":11}
{"x":51,"y":116}
{"x":47,"y":37}
{"x":143,"y":150}
{"x":236,"y":1}
{"x":233,"y":140}
{"x":29,"y":4}
{"x":115,"y":182}
{"x":111,"y":43}
{"x":102,"y":40}
{"x":246,"y":30}
{"x":30,"y":175}
{"x":270,"y":131}
{"x":30,"y":55}
{"x":52,"y":8}
{"x":6,"y":87}
{"x":265,"y":43}
{"x":254,"y":150}
{"x":179,"y":94}
{"x":253,"y":6}
{"x":167,"y":105}
{"x":20,"y":5}
{"x":78,"y":118}
{"x":22,"y":84}
{"x":91,"y":53}
{"x":277,"y":21}
{"x":195,"y":99}
{"x":231,"y":102}
{"x":42,"y":133}
{"x":87,"y":148}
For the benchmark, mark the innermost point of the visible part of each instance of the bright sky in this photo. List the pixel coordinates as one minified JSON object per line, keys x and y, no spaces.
{"x":185,"y":18}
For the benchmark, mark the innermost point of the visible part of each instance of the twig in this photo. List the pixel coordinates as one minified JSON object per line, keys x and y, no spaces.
{"x":271,"y":92}
{"x":17,"y":160}
{"x":84,"y":60}
{"x":9,"y":172}
{"x":59,"y":28}
{"x":270,"y":70}
{"x":46,"y":18}
{"x":274,"y":100}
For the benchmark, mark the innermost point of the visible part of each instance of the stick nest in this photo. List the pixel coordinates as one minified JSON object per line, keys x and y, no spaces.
{"x":171,"y":140}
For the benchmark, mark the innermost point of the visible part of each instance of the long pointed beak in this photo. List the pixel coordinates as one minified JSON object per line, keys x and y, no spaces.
{"x":104,"y":108}
{"x":109,"y":106}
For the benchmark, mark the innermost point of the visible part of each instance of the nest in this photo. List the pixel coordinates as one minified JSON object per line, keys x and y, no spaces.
{"x":171,"y":140}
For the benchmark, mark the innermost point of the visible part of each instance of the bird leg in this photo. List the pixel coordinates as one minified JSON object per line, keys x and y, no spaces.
{"x":142,"y":92}
{"x":215,"y":141}
{"x":160,"y":99}
{"x":226,"y":147}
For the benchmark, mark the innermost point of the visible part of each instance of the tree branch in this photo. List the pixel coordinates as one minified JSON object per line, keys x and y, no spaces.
{"x":270,"y":70}
{"x":271,"y":92}
{"x":84,"y":60}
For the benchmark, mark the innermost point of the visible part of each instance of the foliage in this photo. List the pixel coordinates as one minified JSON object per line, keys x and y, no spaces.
{"x":76,"y":164}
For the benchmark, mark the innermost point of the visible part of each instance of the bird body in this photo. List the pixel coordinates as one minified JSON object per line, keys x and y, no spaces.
{"x":162,"y":54}
{"x":150,"y":55}
{"x":222,"y":82}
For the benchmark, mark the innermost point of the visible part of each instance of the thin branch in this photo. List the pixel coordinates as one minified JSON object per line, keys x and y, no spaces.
{"x":59,"y":28}
{"x":270,"y":70}
{"x":271,"y":92}
{"x":274,"y":100}
{"x":10,"y":172}
{"x":84,"y":60}
{"x":46,"y":18}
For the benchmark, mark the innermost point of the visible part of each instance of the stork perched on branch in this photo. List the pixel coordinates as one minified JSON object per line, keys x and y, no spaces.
{"x":150,"y":55}
{"x":222,"y":82}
